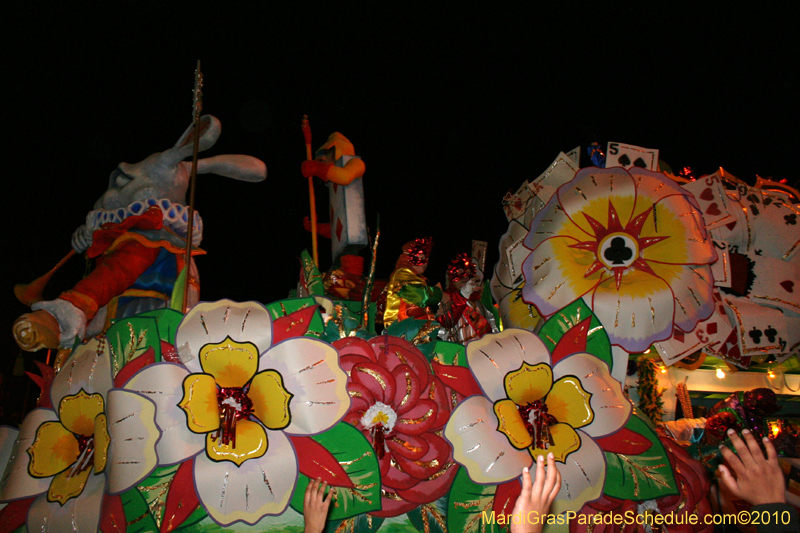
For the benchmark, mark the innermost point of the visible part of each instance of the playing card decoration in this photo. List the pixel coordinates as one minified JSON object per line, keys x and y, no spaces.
{"x":633,"y":245}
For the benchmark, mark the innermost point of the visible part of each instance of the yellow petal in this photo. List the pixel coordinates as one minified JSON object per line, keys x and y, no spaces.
{"x":200,"y":403}
{"x":528,"y":383}
{"x":565,"y":441}
{"x":78,"y":412}
{"x":231,"y":363}
{"x":270,"y":399}
{"x":63,"y":487}
{"x":101,"y":441}
{"x":251,"y":442}
{"x":511,"y":424}
{"x":53,"y":450}
{"x":568,"y":402}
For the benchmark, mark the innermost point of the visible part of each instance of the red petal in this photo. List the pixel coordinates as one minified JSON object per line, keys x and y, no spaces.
{"x":586,"y":245}
{"x":127,"y":371}
{"x":407,"y":389}
{"x":394,"y":351}
{"x":458,"y":378}
{"x":650,"y":241}
{"x":433,"y":488}
{"x":391,"y":507}
{"x":14,"y":515}
{"x":599,"y":230}
{"x":614,"y":224}
{"x":624,"y":441}
{"x":430,"y":463}
{"x":418,"y":419}
{"x":181,"y":498}
{"x":170,"y":353}
{"x":292,"y":325}
{"x":634,"y":227}
{"x":396,"y":479}
{"x":355,"y":346}
{"x":573,"y":341}
{"x":45,"y":381}
{"x":505,"y":497}
{"x":641,"y":264}
{"x":376,"y":379}
{"x":442,"y":396}
{"x":347,"y":362}
{"x":411,"y":447}
{"x":597,"y":265}
{"x":316,"y":462}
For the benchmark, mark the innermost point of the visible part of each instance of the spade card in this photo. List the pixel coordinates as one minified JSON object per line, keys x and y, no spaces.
{"x":712,"y":200}
{"x":628,"y":155}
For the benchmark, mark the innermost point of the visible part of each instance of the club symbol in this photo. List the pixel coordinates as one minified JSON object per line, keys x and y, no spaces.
{"x":618,"y":253}
{"x":755,"y":334}
{"x":771,"y":333}
{"x":790,"y":219}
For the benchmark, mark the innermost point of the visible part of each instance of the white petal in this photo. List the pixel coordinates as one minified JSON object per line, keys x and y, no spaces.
{"x":212,"y":322}
{"x":653,"y":186}
{"x":694,"y":298}
{"x":79,"y":515}
{"x":582,"y":476}
{"x":163,"y":384}
{"x":485,"y":452}
{"x":133,"y":432}
{"x":311,"y":372}
{"x":258,"y":488}
{"x":88,"y":368}
{"x":591,"y":185}
{"x":620,"y":358}
{"x":610,"y":406}
{"x":635,"y":316}
{"x":493,"y":356}
{"x":17,"y":483}
{"x":8,"y":436}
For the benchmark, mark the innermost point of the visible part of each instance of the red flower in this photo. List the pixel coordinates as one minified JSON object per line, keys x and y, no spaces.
{"x":401,"y":408}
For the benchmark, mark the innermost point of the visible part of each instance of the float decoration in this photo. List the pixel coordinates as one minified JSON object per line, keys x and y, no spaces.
{"x":213,"y":400}
{"x":295,"y":317}
{"x":632,"y":245}
{"x":352,"y":454}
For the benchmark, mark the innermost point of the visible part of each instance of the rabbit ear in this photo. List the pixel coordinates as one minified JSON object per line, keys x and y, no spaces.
{"x":210,"y":128}
{"x":238,"y":167}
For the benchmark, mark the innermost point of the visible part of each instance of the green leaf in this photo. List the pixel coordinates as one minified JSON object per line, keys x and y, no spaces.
{"x":640,"y":477}
{"x":197,"y":516}
{"x":347,"y":320}
{"x":355,"y":454}
{"x":289,"y":306}
{"x":311,"y":274}
{"x":450,"y":353}
{"x":129,"y":338}
{"x":430,"y":517}
{"x":467,"y":503}
{"x":357,"y":524}
{"x":137,"y":512}
{"x":414,"y":330}
{"x":167,"y":320}
{"x":176,"y":299}
{"x":597,"y":342}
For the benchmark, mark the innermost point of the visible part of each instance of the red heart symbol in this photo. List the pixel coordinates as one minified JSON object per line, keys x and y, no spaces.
{"x":788,"y":285}
{"x":713,"y":210}
{"x":731,"y":225}
{"x":707,"y":195}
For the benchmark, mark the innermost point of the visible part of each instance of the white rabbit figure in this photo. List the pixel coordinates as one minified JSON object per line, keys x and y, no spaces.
{"x":137,"y":231}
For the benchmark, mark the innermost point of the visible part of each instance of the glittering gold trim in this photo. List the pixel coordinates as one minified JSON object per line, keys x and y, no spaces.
{"x":372,"y":373}
{"x":778,"y":300}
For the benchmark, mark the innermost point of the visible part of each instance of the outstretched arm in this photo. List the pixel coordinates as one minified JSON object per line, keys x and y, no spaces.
{"x":315,"y":506}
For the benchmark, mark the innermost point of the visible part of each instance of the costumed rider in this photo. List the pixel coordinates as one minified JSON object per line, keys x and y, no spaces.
{"x":407,"y":293}
{"x":137,"y":233}
{"x":462,"y":315}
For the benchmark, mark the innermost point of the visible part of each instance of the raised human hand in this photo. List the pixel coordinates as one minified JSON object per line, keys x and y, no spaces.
{"x":315,"y":506}
{"x":533,"y":503}
{"x":758,"y":479}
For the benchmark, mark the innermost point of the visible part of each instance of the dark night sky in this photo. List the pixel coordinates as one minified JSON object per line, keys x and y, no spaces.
{"x":449,"y":109}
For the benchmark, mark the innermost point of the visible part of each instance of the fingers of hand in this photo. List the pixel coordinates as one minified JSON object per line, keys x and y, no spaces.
{"x":552,"y":475}
{"x":538,"y":483}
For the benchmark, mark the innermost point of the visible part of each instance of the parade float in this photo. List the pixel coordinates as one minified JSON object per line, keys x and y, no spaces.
{"x":618,"y":285}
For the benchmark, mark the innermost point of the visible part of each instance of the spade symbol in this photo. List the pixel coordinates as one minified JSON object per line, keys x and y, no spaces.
{"x":771,"y":333}
{"x":618,"y":253}
{"x":755,"y":334}
{"x":624,"y":160}
{"x":640,"y":163}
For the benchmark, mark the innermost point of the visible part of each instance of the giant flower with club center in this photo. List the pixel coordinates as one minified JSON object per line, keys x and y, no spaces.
{"x":533,"y":406}
{"x":95,"y":437}
{"x":401,"y":408}
{"x":236,"y":401}
{"x":633,"y":245}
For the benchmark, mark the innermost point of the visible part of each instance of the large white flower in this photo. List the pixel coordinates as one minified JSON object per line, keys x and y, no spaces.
{"x":633,"y":245}
{"x":95,"y":435}
{"x":531,"y":407}
{"x":235,"y":402}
